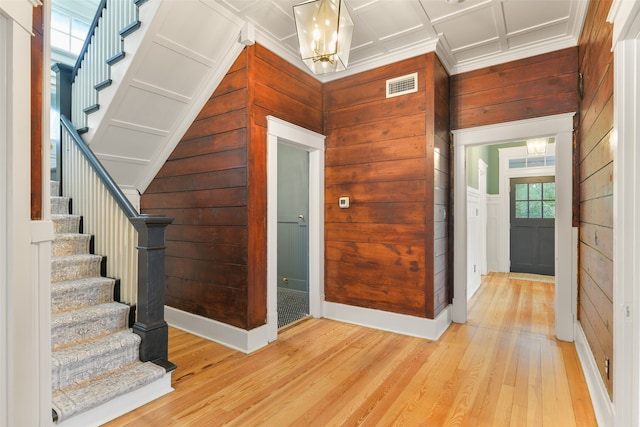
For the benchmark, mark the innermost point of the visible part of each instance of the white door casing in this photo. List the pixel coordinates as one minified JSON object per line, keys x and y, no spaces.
{"x":281,"y":132}
{"x":625,"y":16}
{"x":505,"y":175}
{"x":561,"y":127}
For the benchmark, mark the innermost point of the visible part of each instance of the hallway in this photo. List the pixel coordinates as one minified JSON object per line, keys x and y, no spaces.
{"x":504,"y":367}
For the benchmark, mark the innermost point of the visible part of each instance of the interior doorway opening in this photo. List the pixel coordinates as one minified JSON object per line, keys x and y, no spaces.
{"x":293,"y":234}
{"x":559,"y":127}
{"x":282,"y":133}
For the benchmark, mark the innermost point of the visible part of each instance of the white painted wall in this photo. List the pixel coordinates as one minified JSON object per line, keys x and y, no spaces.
{"x":474,"y":248}
{"x":25,"y":389}
{"x":493,"y":225}
{"x":482,"y":214}
{"x":625,"y":410}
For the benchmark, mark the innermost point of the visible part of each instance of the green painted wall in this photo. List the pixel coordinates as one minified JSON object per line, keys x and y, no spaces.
{"x":473,"y":155}
{"x":491,"y":156}
{"x":494,"y":165}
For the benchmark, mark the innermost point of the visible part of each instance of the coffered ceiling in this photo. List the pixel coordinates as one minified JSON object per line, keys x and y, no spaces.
{"x":467,"y":35}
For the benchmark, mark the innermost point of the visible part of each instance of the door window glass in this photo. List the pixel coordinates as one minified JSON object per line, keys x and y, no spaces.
{"x":535,"y":200}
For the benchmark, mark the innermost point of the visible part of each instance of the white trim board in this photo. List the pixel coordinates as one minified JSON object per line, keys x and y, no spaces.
{"x":281,"y":132}
{"x":504,"y":212}
{"x":602,"y":405}
{"x":403,"y":324}
{"x":121,"y":404}
{"x":212,"y":330}
{"x":561,"y":127}
{"x":625,"y":14}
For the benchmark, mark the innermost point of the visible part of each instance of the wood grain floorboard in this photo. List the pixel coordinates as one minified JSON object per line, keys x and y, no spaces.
{"x":503,"y":368}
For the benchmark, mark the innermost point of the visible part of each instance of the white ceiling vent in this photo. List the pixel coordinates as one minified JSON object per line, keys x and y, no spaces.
{"x":402,"y":85}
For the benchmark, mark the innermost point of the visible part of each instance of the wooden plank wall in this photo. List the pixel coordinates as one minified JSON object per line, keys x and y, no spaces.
{"x":37,"y":59}
{"x":379,"y":152}
{"x":281,"y":90}
{"x":596,"y":187}
{"x":203,"y":185}
{"x":532,"y":87}
{"x":214,"y":185}
{"x":443,"y":243}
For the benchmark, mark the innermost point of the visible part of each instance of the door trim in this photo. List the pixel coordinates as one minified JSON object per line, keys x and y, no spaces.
{"x":279,"y":131}
{"x":561,"y":127}
{"x":505,"y":174}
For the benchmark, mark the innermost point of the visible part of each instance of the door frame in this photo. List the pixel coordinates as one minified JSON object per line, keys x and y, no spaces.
{"x":512,"y":201}
{"x":282,"y":132}
{"x":504,"y":175}
{"x":561,"y":128}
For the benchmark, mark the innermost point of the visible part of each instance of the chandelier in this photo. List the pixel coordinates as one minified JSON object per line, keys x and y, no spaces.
{"x":324,"y":30}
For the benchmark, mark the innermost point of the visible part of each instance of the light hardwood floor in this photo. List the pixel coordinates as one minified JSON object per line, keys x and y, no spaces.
{"x":503,"y":368}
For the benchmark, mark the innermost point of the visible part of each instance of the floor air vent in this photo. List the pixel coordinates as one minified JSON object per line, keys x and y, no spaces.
{"x":402,"y":85}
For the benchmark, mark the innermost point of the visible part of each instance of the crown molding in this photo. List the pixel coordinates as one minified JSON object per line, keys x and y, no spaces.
{"x":625,"y":17}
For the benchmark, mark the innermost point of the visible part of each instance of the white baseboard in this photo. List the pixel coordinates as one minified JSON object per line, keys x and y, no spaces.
{"x":121,"y":404}
{"x":393,"y":322}
{"x":602,"y":405}
{"x":227,"y":335}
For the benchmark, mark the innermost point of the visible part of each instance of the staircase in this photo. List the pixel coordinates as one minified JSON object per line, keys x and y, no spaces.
{"x":144,"y":77}
{"x":95,"y":354}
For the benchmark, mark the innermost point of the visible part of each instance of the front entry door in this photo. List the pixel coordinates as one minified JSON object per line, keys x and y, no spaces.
{"x":533,"y":211}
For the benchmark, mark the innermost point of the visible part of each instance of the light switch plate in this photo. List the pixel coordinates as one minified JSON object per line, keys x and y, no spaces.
{"x":343,"y":202}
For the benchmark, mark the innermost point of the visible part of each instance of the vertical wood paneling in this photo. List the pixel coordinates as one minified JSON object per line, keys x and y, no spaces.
{"x":596,"y":186}
{"x":115,"y":236}
{"x":381,"y":153}
{"x":214,"y":185}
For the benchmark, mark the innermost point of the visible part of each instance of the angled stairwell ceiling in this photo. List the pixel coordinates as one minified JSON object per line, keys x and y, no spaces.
{"x":184,"y":48}
{"x":466,"y":35}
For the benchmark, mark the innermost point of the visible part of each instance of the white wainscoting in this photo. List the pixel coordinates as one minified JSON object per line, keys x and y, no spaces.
{"x":493,"y":229}
{"x":474,"y":248}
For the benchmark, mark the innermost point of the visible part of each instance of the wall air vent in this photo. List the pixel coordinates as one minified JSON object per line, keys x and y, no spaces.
{"x":402,"y":85}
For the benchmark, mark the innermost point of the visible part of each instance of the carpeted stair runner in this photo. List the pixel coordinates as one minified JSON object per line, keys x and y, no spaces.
{"x":94,"y":353}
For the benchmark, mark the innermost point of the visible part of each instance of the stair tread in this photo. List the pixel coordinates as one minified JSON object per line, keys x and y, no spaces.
{"x":116,"y":339}
{"x":81,"y":325}
{"x":75,"y":257}
{"x":87,"y":312}
{"x":79,"y":362}
{"x":75,"y":294}
{"x":63,"y":216}
{"x":77,"y":398}
{"x":71,"y":236}
{"x":81,"y":282}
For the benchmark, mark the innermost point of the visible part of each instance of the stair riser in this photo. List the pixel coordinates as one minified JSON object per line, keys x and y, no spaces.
{"x":70,"y":245}
{"x":59,"y":205}
{"x":65,"y":268}
{"x":65,"y":297}
{"x":67,"y":224}
{"x":75,"y":328}
{"x":69,"y":369}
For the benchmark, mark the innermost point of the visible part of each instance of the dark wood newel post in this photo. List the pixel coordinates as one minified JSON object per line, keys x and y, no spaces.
{"x":150,"y":324}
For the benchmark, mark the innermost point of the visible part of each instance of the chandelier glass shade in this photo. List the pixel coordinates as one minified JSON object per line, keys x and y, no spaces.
{"x":537,"y":146}
{"x":324,"y":30}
